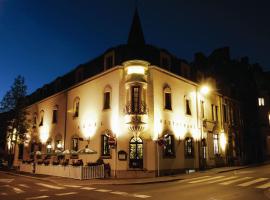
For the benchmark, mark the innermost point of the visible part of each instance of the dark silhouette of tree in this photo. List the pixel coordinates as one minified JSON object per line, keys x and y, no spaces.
{"x":16,"y":124}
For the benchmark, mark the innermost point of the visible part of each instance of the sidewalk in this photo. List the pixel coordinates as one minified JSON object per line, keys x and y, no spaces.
{"x":115,"y":181}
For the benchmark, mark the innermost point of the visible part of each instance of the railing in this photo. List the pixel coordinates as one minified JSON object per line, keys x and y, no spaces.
{"x":139,"y":108}
{"x":80,"y":172}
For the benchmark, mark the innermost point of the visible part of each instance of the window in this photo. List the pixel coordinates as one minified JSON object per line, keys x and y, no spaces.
{"x":105,"y":151}
{"x":224,"y":113}
{"x":213,"y":112}
{"x":34,"y":120}
{"x":41,"y":118}
{"x":269,"y":118}
{"x":169,"y":146}
{"x":216,"y":109}
{"x":261,"y":101}
{"x":75,"y":144}
{"x":216,"y":147}
{"x":76,"y":107}
{"x":189,"y":150}
{"x":202,"y":109}
{"x":55,"y":116}
{"x":167,"y":98}
{"x":135,"y":99}
{"x":165,"y":61}
{"x":107,"y":98}
{"x":21,"y":148}
{"x":188,"y":111}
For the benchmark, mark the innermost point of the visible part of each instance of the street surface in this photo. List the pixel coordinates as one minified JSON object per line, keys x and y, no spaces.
{"x":247,"y":184}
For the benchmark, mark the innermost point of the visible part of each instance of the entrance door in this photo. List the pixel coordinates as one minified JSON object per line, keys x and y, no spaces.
{"x":136,"y":153}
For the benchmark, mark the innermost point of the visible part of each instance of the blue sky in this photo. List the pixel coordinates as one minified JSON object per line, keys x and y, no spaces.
{"x":43,"y":39}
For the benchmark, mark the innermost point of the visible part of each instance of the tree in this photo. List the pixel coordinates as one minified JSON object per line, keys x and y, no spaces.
{"x":16,"y":124}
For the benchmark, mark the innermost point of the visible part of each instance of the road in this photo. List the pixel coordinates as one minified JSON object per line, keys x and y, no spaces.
{"x":247,"y":184}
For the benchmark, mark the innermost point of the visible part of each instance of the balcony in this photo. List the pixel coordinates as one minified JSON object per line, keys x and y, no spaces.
{"x":136,"y":109}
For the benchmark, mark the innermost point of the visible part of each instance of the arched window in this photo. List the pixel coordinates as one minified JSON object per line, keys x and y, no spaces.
{"x":76,"y":107}
{"x":188,"y":104}
{"x":167,"y":98}
{"x":136,"y":152}
{"x":41,"y":115}
{"x":55,"y":114}
{"x":107,"y":98}
{"x":168,"y":148}
{"x":189,"y":147}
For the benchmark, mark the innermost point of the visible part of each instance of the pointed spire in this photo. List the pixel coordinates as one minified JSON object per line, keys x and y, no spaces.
{"x":136,"y":36}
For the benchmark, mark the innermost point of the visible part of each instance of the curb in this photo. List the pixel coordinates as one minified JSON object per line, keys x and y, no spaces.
{"x":229,"y":170}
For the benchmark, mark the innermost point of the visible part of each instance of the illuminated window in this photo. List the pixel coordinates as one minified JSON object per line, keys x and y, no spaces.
{"x":188,"y":110}
{"x":189,"y":148}
{"x":76,"y":107}
{"x":136,"y":152}
{"x":167,"y":98}
{"x":105,"y":147}
{"x":261,"y":101}
{"x":41,"y":118}
{"x":215,"y":141}
{"x":169,"y":146}
{"x":269,"y":118}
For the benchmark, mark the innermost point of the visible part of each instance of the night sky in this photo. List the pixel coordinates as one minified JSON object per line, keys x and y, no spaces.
{"x":43,"y":39}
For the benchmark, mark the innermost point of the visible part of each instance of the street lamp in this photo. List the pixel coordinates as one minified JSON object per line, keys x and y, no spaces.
{"x":205,"y":89}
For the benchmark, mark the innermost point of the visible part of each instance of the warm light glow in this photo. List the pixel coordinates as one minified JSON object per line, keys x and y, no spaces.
{"x":115,"y":122}
{"x":59,"y":146}
{"x":135,"y":69}
{"x":158,"y":126}
{"x":44,"y":134}
{"x":49,"y":146}
{"x":223,"y":141}
{"x":89,"y":126}
{"x":196,"y":133}
{"x":205,"y":89}
{"x":269,"y":118}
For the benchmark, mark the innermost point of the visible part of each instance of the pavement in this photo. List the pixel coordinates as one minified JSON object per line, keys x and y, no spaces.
{"x":130,"y":181}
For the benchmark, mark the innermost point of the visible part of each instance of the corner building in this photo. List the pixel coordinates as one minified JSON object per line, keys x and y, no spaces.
{"x":143,"y":110}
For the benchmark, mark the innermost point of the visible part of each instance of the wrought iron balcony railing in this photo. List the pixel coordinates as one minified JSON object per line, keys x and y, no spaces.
{"x":136,"y":108}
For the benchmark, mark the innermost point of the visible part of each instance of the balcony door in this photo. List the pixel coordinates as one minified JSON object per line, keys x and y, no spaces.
{"x":135,"y":98}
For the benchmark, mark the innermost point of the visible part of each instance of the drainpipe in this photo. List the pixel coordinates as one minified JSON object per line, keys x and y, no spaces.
{"x":65,"y":128}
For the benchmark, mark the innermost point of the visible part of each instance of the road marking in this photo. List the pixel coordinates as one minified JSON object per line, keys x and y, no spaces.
{"x":67,"y":193}
{"x":6,"y":180}
{"x":23,"y":185}
{"x":50,"y":186}
{"x":191,"y":179}
{"x":252,"y":182}
{"x":88,"y":188}
{"x":267,"y":185}
{"x":17,"y":190}
{"x":73,"y":186}
{"x":120,"y":193}
{"x":234,"y":181}
{"x":141,"y":196}
{"x":39,"y":197}
{"x":43,"y":190}
{"x":206,"y":179}
{"x":103,"y":190}
{"x":223,"y":179}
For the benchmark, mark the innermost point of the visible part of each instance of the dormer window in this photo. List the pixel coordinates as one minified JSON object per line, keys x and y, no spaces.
{"x":109,"y":60}
{"x":165,"y":61}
